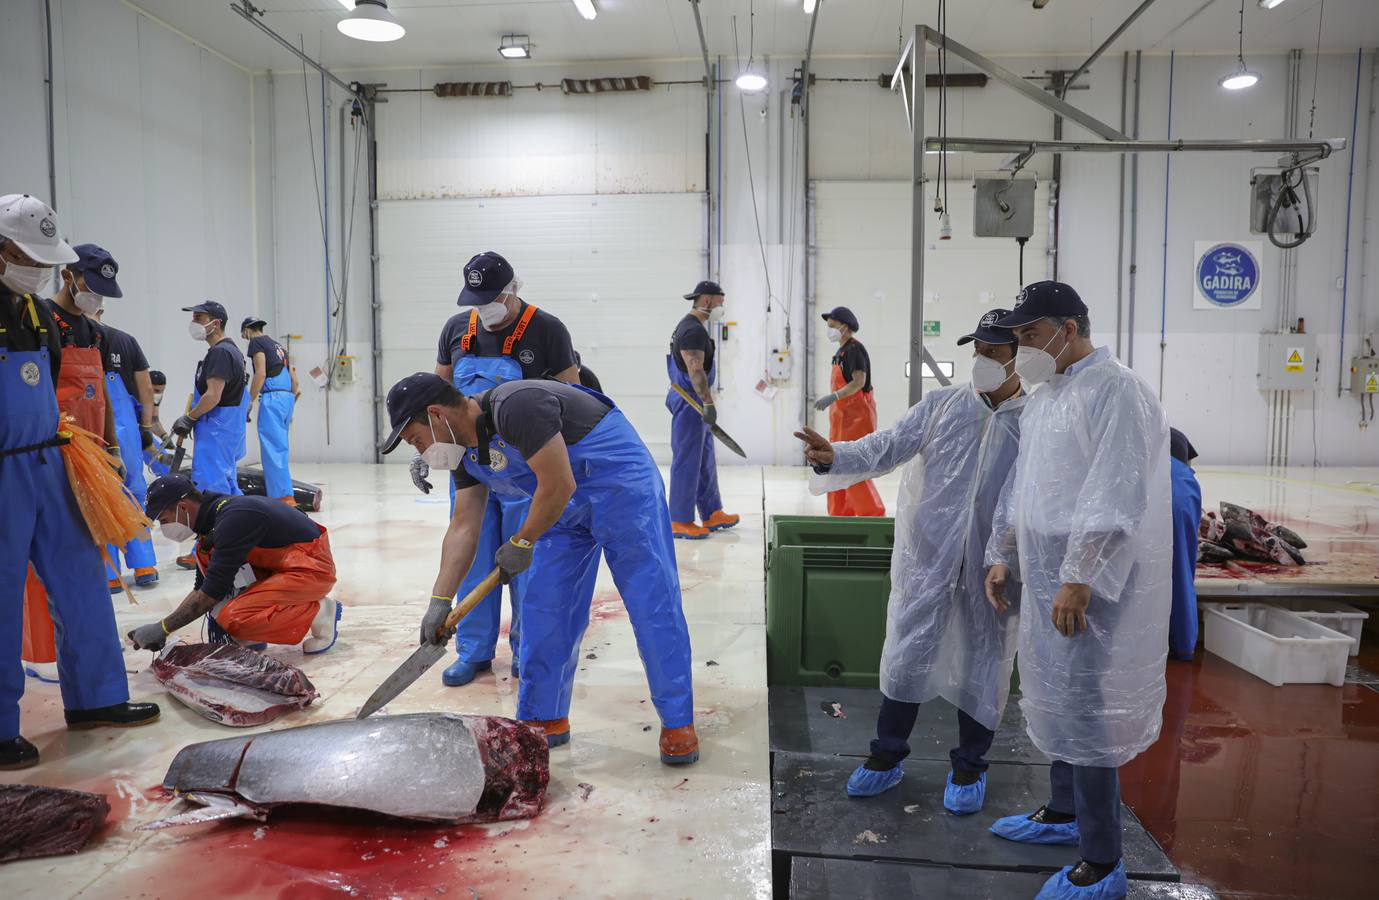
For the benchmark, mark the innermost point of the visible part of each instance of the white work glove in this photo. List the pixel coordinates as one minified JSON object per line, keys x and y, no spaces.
{"x":420,"y":470}
{"x":512,"y":559}
{"x":148,"y":637}
{"x":434,"y":620}
{"x":825,"y":402}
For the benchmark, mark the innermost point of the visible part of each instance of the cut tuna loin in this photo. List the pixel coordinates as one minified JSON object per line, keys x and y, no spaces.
{"x":45,"y":821}
{"x":232,"y":685}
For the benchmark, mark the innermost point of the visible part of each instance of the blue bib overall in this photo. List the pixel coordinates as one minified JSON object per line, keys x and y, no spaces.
{"x":693,"y":465}
{"x":619,"y":508}
{"x":138,"y":553}
{"x":40,"y":523}
{"x":275,"y":415}
{"x":478,"y":632}
{"x":219,"y":445}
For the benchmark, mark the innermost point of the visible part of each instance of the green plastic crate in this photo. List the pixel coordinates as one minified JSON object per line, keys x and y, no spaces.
{"x":827,"y":583}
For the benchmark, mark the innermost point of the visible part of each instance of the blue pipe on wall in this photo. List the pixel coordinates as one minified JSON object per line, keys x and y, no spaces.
{"x":1349,"y":197}
{"x":1168,"y":167}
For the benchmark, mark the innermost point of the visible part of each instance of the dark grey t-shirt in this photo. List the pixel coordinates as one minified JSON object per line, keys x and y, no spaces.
{"x":527,"y":414}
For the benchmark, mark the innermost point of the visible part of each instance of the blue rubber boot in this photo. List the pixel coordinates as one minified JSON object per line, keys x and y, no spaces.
{"x":1058,"y":887}
{"x":866,"y":782}
{"x":1028,"y":831}
{"x":964,"y":799}
{"x":461,"y":673}
{"x":148,"y":579}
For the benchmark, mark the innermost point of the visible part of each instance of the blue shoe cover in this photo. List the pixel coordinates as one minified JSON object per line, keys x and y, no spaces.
{"x":964,"y":799}
{"x":1058,"y":887}
{"x":868,"y":783}
{"x":1027,"y":831}
{"x":461,"y":672}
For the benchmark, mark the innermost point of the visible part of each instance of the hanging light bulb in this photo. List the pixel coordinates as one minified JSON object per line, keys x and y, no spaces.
{"x":1242,"y":77}
{"x":751,"y":82}
{"x":371,"y":21}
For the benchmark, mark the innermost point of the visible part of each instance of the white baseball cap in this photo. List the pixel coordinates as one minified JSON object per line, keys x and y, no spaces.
{"x":32,"y":225}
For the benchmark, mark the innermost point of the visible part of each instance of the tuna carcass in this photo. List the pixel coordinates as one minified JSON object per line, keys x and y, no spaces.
{"x":45,"y":821}
{"x":433,"y":767}
{"x":231,"y":685}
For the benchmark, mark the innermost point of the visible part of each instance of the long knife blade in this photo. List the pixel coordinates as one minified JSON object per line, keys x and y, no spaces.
{"x":427,"y":655}
{"x":713,"y":429}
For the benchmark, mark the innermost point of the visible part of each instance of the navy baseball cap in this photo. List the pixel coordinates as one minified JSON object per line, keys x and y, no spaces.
{"x":212,"y":309}
{"x":99,"y":268}
{"x":988,"y":332}
{"x":166,"y":491}
{"x":704,"y":287}
{"x":157,"y":377}
{"x":844,"y":315}
{"x":1179,"y":447}
{"x":1041,"y":300}
{"x":408,"y":397}
{"x":251,"y":322}
{"x":485,"y":276}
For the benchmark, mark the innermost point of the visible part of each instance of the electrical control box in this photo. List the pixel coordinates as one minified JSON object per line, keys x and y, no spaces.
{"x":1287,"y":362}
{"x":1364,"y":375}
{"x":778,"y":364}
{"x":1003,"y":206}
{"x":344,"y":370}
{"x":1295,"y":212}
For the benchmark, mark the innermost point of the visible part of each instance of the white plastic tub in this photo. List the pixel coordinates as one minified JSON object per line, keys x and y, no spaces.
{"x":1277,"y":645}
{"x":1335,"y":615}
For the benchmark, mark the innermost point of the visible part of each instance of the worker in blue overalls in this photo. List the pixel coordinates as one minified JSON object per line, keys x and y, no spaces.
{"x":1187,"y":518}
{"x":501,"y":338}
{"x":39,"y":517}
{"x":130,"y":391}
{"x":155,"y":456}
{"x":594,"y":489}
{"x":274,"y":387}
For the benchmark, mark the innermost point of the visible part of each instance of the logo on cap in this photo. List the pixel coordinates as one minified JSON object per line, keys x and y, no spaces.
{"x":107,"y":271}
{"x":496,"y":460}
{"x":1021,"y":297}
{"x":989,"y":319}
{"x":30,"y":374}
{"x":527,"y":357}
{"x":47,"y":226}
{"x":475,"y":278}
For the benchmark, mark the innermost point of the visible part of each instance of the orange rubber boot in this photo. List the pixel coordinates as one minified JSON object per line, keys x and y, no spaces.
{"x":679,"y":746}
{"x":688,"y":531}
{"x":721,"y":520}
{"x":557,"y":730}
{"x":187,"y":562}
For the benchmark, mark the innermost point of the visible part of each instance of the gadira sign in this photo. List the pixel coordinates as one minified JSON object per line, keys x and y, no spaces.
{"x":1225,"y":275}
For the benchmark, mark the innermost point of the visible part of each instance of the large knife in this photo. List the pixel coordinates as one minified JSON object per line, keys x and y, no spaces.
{"x":427,"y":655}
{"x":180,"y":452}
{"x":714,"y":429}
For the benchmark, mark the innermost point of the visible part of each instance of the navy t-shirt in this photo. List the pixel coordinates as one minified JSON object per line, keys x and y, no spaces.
{"x":233,"y":526}
{"x":544,"y":351}
{"x":21,"y":336}
{"x":852,"y":357}
{"x":274,"y":356}
{"x":691,"y":334}
{"x":124,"y":356}
{"x":76,"y":330}
{"x":225,"y":362}
{"x":527,"y":414}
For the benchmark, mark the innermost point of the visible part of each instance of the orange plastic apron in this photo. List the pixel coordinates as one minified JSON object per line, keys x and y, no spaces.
{"x":850,"y":418}
{"x":81,"y":395}
{"x":279,"y":606}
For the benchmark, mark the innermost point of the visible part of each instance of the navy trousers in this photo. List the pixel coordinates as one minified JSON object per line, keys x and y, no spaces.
{"x":1092,"y":794}
{"x":897,"y":719}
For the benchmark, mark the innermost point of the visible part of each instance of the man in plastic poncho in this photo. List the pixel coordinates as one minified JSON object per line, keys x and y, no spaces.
{"x":1085,"y":526}
{"x":942,"y":637}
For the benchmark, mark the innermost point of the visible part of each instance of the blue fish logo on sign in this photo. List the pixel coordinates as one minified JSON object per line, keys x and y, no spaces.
{"x":1228,"y":275}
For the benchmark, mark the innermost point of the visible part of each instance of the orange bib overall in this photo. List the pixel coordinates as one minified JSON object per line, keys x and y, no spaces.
{"x":850,"y":418}
{"x":279,"y":606}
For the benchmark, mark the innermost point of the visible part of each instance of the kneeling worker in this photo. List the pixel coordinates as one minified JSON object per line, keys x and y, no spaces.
{"x":594,"y":486}
{"x":287,"y":553}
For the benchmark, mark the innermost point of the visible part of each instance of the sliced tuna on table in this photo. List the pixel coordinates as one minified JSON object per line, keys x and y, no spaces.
{"x":435,"y":767}
{"x":45,"y":821}
{"x":232,"y":685}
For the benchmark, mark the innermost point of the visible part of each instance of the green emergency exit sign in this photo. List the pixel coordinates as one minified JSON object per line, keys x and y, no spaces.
{"x":930,"y":328}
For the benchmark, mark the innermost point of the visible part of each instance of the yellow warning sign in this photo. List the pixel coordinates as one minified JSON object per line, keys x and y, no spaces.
{"x":1294,"y":362}
{"x":1372,"y":384}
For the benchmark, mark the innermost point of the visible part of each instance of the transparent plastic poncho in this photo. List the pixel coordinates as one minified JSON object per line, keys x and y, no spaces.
{"x":1089,"y":503}
{"x":942,"y":637}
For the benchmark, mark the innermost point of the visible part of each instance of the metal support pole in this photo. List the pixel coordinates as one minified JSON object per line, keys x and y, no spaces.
{"x":808,"y":323}
{"x":1106,"y":45}
{"x":918,"y":78}
{"x":703,"y":45}
{"x":375,"y":320}
{"x":248,"y":13}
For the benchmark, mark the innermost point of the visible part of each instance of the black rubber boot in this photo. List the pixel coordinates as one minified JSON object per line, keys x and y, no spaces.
{"x":121,"y":715}
{"x":963,"y":779}
{"x":1086,"y":874}
{"x":18,"y":754}
{"x":1045,"y":816}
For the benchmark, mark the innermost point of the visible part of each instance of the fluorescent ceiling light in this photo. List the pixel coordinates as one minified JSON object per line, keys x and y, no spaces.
{"x":751,"y":82}
{"x":811,"y":5}
{"x":586,"y":9}
{"x":371,"y":21}
{"x":515,"y":46}
{"x":1269,"y":4}
{"x":1239,"y":80}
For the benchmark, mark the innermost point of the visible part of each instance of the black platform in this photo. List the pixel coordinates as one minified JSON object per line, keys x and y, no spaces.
{"x":813,"y":816}
{"x":799,"y":724}
{"x":838,"y":879}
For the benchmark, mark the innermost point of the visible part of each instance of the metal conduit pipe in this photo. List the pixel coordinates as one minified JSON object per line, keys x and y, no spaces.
{"x":1134,"y":222}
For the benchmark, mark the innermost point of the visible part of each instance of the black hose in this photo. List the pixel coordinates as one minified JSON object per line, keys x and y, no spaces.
{"x":1289,"y":195}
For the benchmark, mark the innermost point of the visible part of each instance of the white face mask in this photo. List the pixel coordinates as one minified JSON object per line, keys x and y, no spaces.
{"x":988,"y":375}
{"x":493,"y":314}
{"x":835,"y":336}
{"x":715,"y":314}
{"x":27,"y":279}
{"x":177,"y":531}
{"x":1035,"y":365}
{"x":197,"y":331}
{"x":88,"y":302}
{"x":441,"y":456}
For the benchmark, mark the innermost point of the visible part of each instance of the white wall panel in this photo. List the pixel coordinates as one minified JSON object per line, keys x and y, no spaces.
{"x":612,"y":268}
